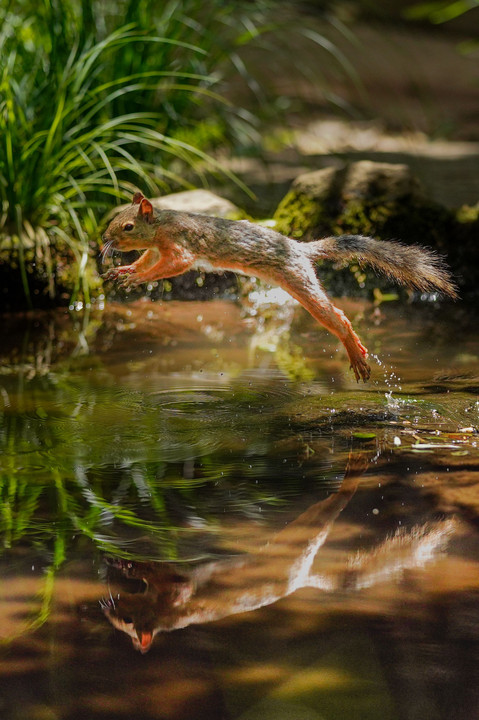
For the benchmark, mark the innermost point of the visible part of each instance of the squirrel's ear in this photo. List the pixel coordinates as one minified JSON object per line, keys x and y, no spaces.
{"x":137,"y":198}
{"x":146,"y":210}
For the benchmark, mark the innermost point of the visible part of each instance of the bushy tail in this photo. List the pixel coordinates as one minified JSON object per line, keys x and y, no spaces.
{"x":409,"y":265}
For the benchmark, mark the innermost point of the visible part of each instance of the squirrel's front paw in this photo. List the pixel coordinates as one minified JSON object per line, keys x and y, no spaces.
{"x":129,"y":281}
{"x":117,"y":272}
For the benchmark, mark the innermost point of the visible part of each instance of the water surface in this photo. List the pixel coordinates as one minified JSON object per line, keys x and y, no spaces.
{"x":203,"y":515}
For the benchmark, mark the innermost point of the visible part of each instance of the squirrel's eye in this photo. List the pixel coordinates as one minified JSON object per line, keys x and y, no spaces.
{"x":128,"y":227}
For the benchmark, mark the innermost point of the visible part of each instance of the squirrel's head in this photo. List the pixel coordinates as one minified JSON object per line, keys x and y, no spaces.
{"x":133,"y":228}
{"x":153,"y":609}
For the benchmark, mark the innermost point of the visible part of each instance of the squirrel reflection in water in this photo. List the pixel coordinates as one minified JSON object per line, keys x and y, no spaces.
{"x":174,"y":598}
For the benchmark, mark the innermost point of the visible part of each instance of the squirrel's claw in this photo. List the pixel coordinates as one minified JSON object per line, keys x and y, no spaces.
{"x":359,"y":365}
{"x":128,"y":281}
{"x":361,"y":370}
{"x":117,"y":273}
{"x":124,"y":275}
{"x":109,"y":275}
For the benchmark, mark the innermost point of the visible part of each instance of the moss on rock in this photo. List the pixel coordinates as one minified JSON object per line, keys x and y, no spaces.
{"x":382,"y":200}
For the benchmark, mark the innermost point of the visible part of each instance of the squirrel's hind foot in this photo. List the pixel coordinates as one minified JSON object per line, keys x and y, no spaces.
{"x":357,"y":355}
{"x":362,"y":370}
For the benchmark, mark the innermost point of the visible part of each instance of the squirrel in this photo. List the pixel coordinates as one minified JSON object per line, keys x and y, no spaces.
{"x":173,"y":597}
{"x":177,"y":241}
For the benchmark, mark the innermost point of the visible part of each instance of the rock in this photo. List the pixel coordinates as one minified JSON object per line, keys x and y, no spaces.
{"x":317,"y":201}
{"x":200,"y":201}
{"x":380,"y":182}
{"x":382,"y":200}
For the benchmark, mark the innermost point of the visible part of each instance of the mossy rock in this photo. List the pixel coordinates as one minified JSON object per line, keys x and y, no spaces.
{"x":318,"y":199}
{"x":382,"y":200}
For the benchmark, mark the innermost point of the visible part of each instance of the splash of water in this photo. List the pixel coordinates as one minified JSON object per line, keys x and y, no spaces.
{"x":392,"y":382}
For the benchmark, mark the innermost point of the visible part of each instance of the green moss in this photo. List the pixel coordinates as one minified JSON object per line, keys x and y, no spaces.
{"x":468,"y":214}
{"x":298,"y":214}
{"x":238,"y":215}
{"x":409,"y":219}
{"x":426,"y":223}
{"x":411,"y":222}
{"x":384,"y":202}
{"x":357,"y":219}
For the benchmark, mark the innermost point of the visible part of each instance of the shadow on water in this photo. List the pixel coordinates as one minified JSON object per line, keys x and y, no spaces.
{"x":215,"y":491}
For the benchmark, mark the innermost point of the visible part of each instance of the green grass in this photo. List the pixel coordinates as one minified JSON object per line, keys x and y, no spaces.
{"x":62,"y":152}
{"x":86,"y":118}
{"x":100,"y":98}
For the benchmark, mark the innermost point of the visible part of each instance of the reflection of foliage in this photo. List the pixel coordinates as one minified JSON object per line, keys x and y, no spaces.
{"x":290,"y":359}
{"x":83,"y":459}
{"x":139,"y":475}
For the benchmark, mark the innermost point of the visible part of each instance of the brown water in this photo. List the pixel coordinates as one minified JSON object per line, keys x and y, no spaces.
{"x":310,"y":546}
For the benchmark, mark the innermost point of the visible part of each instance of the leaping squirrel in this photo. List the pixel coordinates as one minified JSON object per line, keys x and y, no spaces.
{"x":179,"y":241}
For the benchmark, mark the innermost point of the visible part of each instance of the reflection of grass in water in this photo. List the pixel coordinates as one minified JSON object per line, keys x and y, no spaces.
{"x":130,"y":470}
{"x":95,"y":459}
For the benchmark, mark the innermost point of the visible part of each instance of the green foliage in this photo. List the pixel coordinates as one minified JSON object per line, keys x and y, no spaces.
{"x":440,"y":11}
{"x":86,"y":113}
{"x":97,"y":98}
{"x":443,"y":11}
{"x":62,"y":151}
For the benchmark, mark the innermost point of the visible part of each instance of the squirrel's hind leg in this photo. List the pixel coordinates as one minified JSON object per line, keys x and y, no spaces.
{"x":307,"y":289}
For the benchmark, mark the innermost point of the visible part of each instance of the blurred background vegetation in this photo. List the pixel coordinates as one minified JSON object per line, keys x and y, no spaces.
{"x":97,"y":98}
